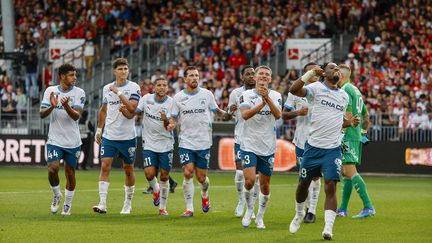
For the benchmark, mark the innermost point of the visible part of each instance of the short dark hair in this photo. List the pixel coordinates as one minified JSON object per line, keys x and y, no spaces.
{"x":65,"y":68}
{"x":159,"y":79}
{"x":189,"y":68}
{"x":323,"y":66}
{"x":120,"y":62}
{"x":308,"y":64}
{"x":244,"y":69}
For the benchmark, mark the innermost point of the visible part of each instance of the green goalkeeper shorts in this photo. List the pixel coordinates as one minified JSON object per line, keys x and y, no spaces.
{"x":352,"y":152}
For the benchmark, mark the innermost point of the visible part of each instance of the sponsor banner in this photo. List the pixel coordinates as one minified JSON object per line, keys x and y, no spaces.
{"x":58,"y":47}
{"x":418,"y":156}
{"x":296,"y":49}
{"x":31,"y":150}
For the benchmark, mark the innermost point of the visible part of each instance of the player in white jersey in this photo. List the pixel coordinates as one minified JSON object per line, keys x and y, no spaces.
{"x":158,"y":142}
{"x":322,"y":153}
{"x":260,"y":108}
{"x":297,"y":107}
{"x":247,"y":76}
{"x":119,"y":99}
{"x":63,"y":103}
{"x":191,"y":108}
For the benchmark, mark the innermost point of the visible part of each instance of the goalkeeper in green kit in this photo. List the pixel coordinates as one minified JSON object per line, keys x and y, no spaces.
{"x":353,"y":140}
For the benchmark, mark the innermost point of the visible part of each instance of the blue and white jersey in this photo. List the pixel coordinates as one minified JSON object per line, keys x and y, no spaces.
{"x":194,"y":118}
{"x":259,"y":131}
{"x":117,"y":126}
{"x":234,"y":99}
{"x":327,"y":115}
{"x":155,"y":137}
{"x":301,"y":134}
{"x":63,"y":130}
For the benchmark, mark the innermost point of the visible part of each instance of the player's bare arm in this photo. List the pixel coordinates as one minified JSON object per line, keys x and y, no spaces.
{"x":248,"y":112}
{"x":125,"y":112}
{"x":74,"y":113}
{"x":352,"y":121}
{"x":293,"y":114}
{"x":130,"y":105}
{"x":273,"y":108}
{"x":226,"y":116}
{"x":101,"y":123}
{"x":298,"y":88}
{"x":365,"y":121}
{"x":165,"y":120}
{"x":172,"y":124}
{"x":45,"y":111}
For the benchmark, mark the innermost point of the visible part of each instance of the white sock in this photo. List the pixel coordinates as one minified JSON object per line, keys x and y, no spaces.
{"x":300,"y":207}
{"x":256,"y":190}
{"x":262,"y":204}
{"x":154,"y":184}
{"x":248,"y":197}
{"x":164,"y":189}
{"x":204,"y":187}
{"x":68,"y":197}
{"x":56,"y":190}
{"x":103,"y":191}
{"x":329,"y":218}
{"x":129,"y":192}
{"x":314,"y":191}
{"x":239,"y":182}
{"x":188,"y":193}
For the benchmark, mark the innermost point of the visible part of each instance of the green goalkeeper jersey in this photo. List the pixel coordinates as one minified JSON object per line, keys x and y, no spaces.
{"x":357,"y":107}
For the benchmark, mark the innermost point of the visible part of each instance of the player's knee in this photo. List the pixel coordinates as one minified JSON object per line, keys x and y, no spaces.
{"x":105,"y":168}
{"x":164,"y":177}
{"x":201,"y":177}
{"x":149,"y":176}
{"x":238,"y":165}
{"x":128,"y":169}
{"x":53,"y":169}
{"x":330,"y":188}
{"x":188,"y":174}
{"x":265,"y":188}
{"x":304,"y":185}
{"x":249,"y":183}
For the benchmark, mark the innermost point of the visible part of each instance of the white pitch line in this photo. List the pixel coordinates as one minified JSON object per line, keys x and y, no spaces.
{"x":121,"y":189}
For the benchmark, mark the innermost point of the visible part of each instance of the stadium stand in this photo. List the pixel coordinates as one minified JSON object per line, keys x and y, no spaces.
{"x":390,"y":54}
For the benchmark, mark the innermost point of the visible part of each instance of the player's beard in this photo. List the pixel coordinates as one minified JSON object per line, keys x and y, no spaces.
{"x":194,"y":85}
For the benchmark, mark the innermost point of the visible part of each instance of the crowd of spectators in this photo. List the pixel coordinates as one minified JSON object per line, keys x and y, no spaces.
{"x":390,"y":56}
{"x":392,"y":61}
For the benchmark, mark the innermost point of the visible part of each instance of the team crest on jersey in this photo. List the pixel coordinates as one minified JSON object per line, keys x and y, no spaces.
{"x":127,"y":92}
{"x":202,"y":102}
{"x":131,"y":151}
{"x":164,"y":110}
{"x":71,"y":100}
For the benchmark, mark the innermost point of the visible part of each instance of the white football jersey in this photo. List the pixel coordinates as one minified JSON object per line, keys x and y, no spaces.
{"x":234,"y":99}
{"x":301,"y":134}
{"x":327,"y":115}
{"x":63,"y":130}
{"x":193,"y":112}
{"x":117,"y":126}
{"x":154,"y":135}
{"x":259,"y":131}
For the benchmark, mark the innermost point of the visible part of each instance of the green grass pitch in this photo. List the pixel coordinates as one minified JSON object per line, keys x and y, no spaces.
{"x":403,"y":204}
